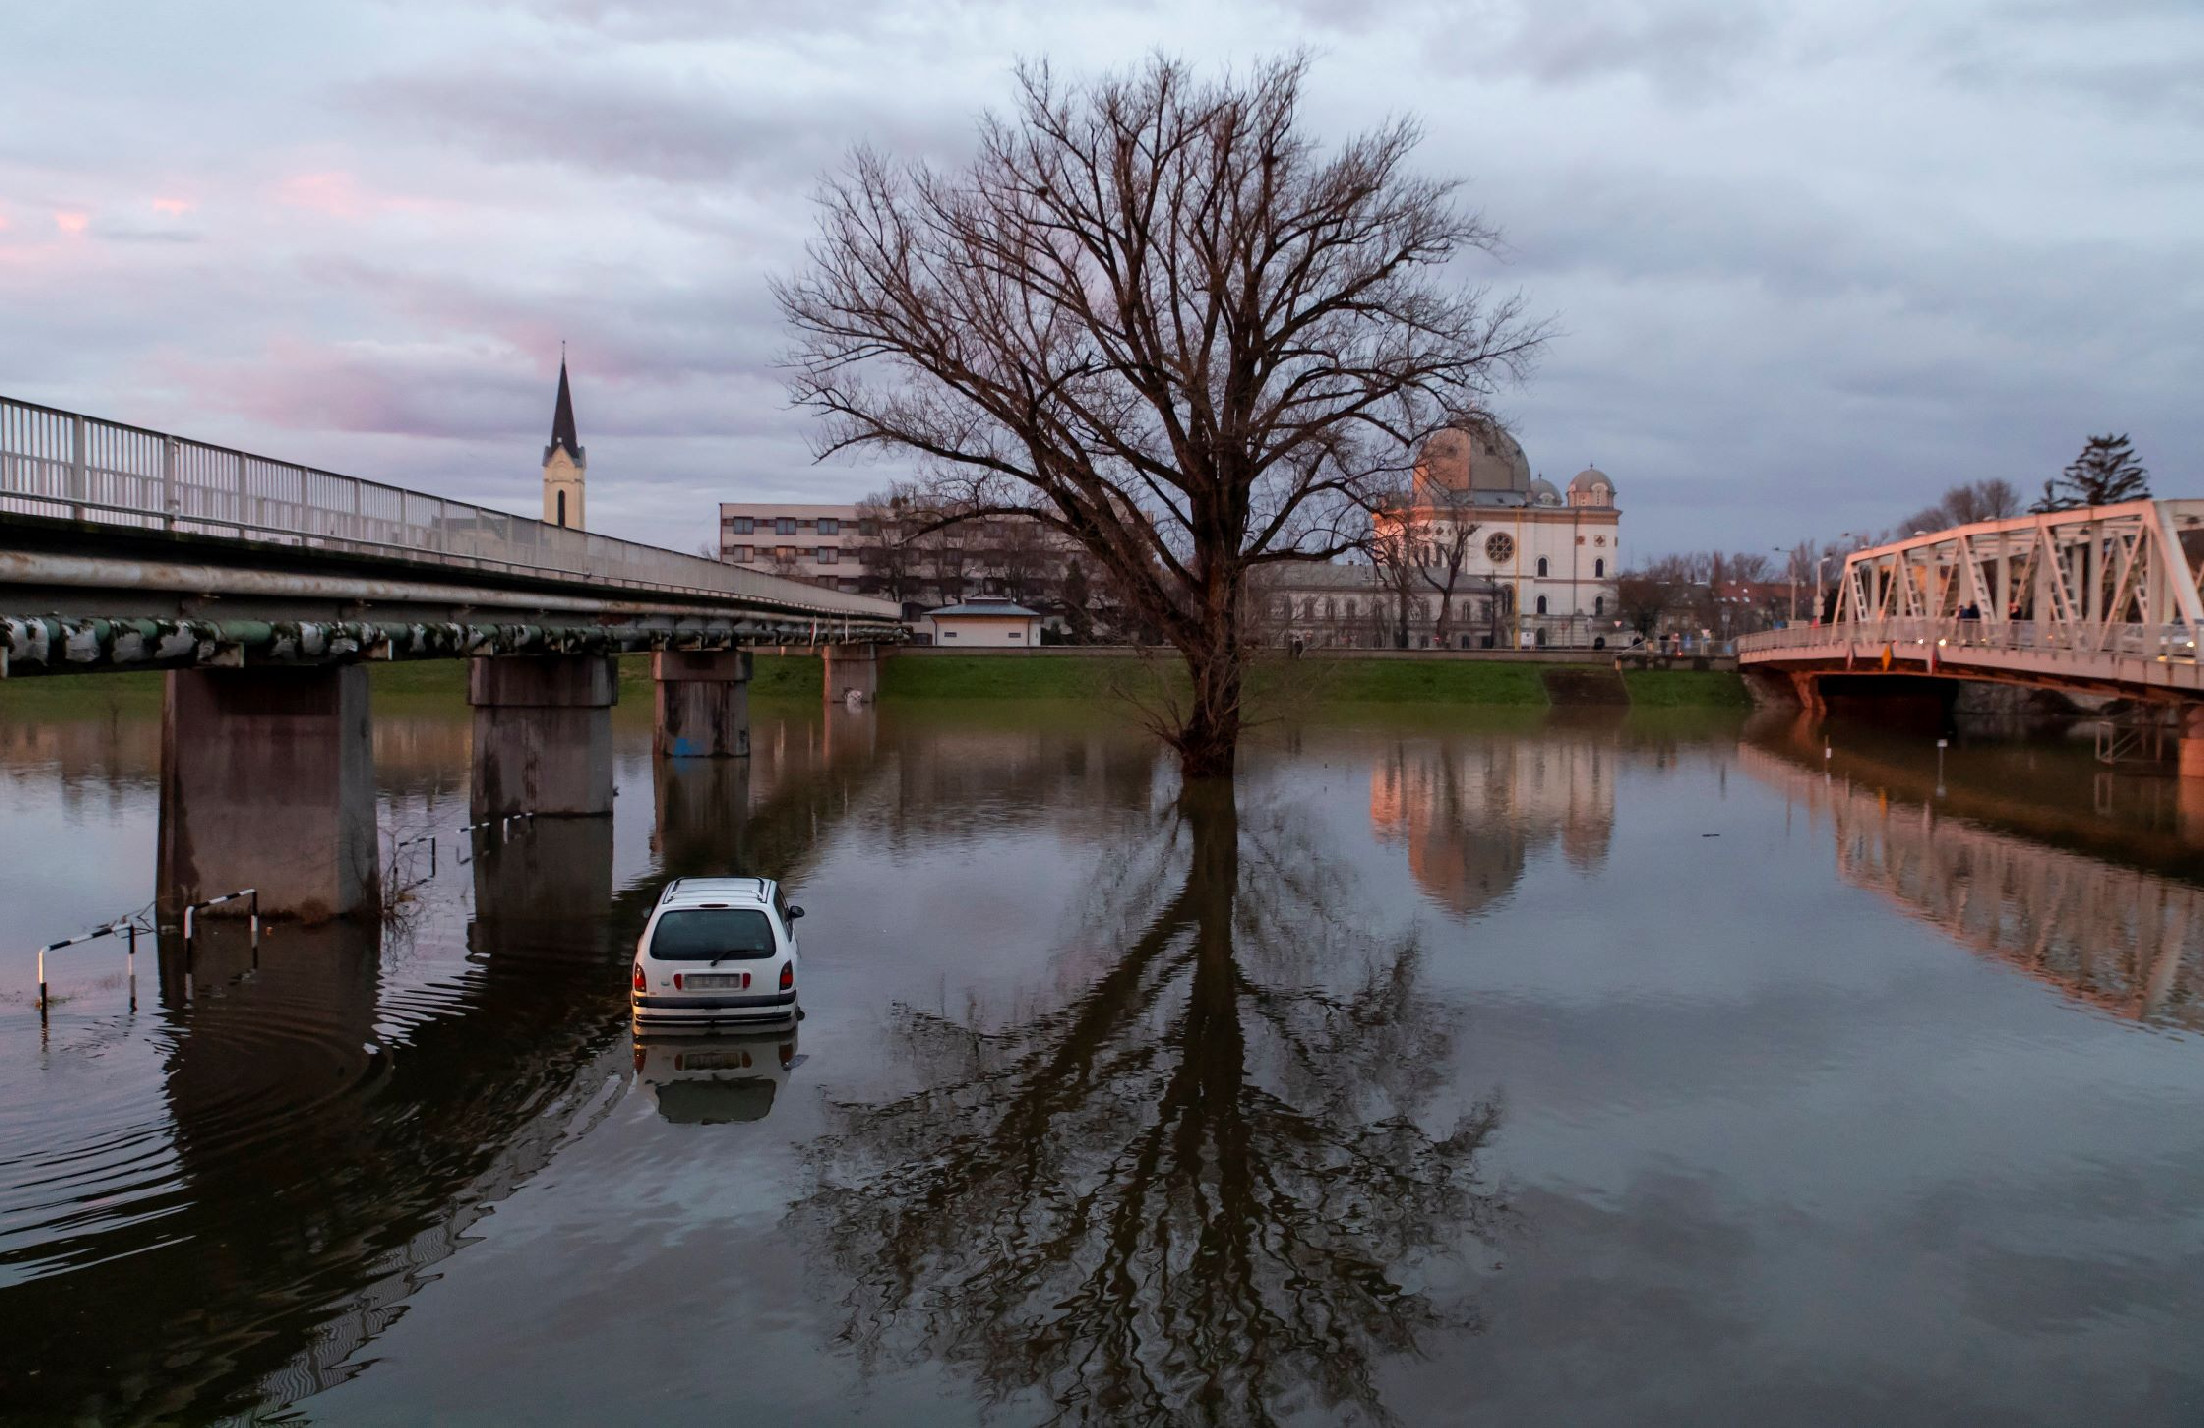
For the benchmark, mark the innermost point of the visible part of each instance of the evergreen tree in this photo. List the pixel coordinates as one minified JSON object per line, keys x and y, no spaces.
{"x":2105,"y":474}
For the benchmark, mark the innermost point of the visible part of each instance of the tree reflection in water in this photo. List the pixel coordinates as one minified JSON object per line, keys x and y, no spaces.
{"x":1200,"y":1189}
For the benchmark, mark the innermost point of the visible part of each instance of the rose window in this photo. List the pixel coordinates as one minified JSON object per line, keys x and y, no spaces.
{"x":1500,"y":548}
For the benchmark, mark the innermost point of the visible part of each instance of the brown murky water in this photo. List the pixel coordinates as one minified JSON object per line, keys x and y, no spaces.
{"x":1464,"y":1069}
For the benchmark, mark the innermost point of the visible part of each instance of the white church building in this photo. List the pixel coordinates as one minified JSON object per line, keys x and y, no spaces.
{"x":1553,"y":556}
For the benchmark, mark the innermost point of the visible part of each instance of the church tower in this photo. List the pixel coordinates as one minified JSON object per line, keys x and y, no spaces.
{"x":564,"y":464}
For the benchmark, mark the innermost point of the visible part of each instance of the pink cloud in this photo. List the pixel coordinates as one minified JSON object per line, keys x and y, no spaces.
{"x":338,"y":194}
{"x":70,"y":220}
{"x":175,"y":207}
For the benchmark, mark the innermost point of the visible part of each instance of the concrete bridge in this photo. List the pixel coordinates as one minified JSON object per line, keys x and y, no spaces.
{"x":263,"y":587}
{"x":2099,"y":600}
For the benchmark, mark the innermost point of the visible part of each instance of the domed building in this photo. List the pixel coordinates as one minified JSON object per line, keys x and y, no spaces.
{"x":1474,"y":504}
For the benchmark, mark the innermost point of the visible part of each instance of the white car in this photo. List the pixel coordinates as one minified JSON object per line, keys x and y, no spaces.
{"x":717,"y":954}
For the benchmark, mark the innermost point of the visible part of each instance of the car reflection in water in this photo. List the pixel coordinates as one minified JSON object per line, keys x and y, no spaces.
{"x":716,"y":1080}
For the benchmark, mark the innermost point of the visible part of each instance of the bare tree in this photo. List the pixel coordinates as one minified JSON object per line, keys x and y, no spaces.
{"x":1394,"y":556}
{"x":1153,"y":315}
{"x":884,"y":546}
{"x":1445,"y":533}
{"x":1019,"y":558}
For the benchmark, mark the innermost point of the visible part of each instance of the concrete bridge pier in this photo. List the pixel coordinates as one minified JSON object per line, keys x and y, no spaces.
{"x":268,"y":782}
{"x":703,"y":704}
{"x":542,"y":734}
{"x":851,"y":669}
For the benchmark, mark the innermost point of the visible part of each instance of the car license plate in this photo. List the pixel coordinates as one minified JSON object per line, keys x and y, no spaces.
{"x":715,"y":981}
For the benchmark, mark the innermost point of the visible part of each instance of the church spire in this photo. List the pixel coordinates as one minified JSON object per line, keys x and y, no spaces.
{"x":562,"y":421}
{"x":565,"y":464}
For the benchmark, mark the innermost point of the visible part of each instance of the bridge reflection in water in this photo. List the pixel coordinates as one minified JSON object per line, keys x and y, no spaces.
{"x":2119,"y":937}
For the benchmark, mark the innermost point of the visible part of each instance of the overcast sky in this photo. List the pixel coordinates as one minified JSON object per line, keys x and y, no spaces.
{"x":1810,"y":263}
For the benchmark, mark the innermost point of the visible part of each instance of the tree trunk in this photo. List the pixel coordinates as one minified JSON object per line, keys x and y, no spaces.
{"x":1210,"y":736}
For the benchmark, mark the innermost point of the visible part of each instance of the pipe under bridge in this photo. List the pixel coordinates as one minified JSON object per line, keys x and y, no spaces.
{"x":262,"y":587}
{"x":2097,"y":600}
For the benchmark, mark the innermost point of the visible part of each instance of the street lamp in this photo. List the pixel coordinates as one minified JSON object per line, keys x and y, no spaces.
{"x":1818,"y":564}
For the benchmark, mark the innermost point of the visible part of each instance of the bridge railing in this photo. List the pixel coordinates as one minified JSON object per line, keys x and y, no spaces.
{"x":1957,"y":639}
{"x":58,"y":463}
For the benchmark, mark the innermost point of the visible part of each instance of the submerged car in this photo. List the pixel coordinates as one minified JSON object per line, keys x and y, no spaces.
{"x":717,"y":954}
{"x":717,"y":1080}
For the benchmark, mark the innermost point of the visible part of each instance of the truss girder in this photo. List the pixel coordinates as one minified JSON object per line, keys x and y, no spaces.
{"x":2078,"y":574}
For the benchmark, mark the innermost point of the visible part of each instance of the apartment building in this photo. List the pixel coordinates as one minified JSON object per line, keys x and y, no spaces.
{"x":817,"y":543}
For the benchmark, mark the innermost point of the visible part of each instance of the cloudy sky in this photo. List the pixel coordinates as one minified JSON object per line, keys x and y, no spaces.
{"x":1810,"y":262}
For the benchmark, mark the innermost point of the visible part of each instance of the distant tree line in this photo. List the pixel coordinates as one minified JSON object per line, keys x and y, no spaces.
{"x":1685,"y":590}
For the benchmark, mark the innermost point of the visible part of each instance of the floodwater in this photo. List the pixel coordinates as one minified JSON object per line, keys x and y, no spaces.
{"x":1454,"y":1068}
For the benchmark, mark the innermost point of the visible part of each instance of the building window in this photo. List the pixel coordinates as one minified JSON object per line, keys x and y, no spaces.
{"x":1599,"y":604}
{"x":1331,"y":607}
{"x":740,"y":525}
{"x":562,"y":508}
{"x":948,"y":634}
{"x":1308,"y":607}
{"x":1350,"y":607}
{"x":1599,"y":570}
{"x":868,"y":528}
{"x":742,"y":553}
{"x":828,"y":555}
{"x":1542,"y":566}
{"x":1541,"y":604}
{"x":829,"y":526}
{"x":784,"y":552}
{"x":785,"y":525}
{"x":1017,"y":634}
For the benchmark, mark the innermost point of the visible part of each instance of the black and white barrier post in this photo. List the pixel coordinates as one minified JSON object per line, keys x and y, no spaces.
{"x":189,"y":924}
{"x":125,"y":925}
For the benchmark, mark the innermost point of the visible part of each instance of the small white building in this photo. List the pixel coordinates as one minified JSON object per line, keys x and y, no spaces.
{"x":985,"y":622}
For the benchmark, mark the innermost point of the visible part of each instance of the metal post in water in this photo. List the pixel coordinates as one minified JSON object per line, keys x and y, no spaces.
{"x":42,"y":984}
{"x":132,"y":963}
{"x":254,"y":906}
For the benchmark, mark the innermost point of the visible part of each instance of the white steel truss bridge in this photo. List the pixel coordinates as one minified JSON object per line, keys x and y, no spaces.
{"x":2102,"y":599}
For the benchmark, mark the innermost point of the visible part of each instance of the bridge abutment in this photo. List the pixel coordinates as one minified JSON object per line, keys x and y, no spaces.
{"x":2192,"y":741}
{"x":542,"y":734}
{"x":851,"y":670}
{"x":703,"y":704}
{"x":268,"y":782}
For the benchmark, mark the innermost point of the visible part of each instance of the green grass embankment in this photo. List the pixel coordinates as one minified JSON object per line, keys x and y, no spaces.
{"x":1686,"y":689}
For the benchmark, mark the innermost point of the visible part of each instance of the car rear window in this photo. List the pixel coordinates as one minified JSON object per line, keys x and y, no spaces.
{"x":700,"y":934}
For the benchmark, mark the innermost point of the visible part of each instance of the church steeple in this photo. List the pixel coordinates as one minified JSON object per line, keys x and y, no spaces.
{"x":564,"y":462}
{"x":562,"y":422}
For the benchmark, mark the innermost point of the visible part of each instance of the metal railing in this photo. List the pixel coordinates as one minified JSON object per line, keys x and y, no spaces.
{"x":1954,"y":639}
{"x":59,"y":463}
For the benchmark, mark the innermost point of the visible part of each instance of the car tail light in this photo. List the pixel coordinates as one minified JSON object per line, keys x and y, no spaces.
{"x":640,"y":984}
{"x":677,"y":981}
{"x":788,"y":976}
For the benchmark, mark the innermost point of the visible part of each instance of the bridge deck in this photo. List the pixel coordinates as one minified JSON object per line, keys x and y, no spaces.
{"x":2138,"y":661}
{"x":123,"y":546}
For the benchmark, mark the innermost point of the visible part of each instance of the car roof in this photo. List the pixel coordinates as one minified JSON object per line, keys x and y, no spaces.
{"x":695,"y":892}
